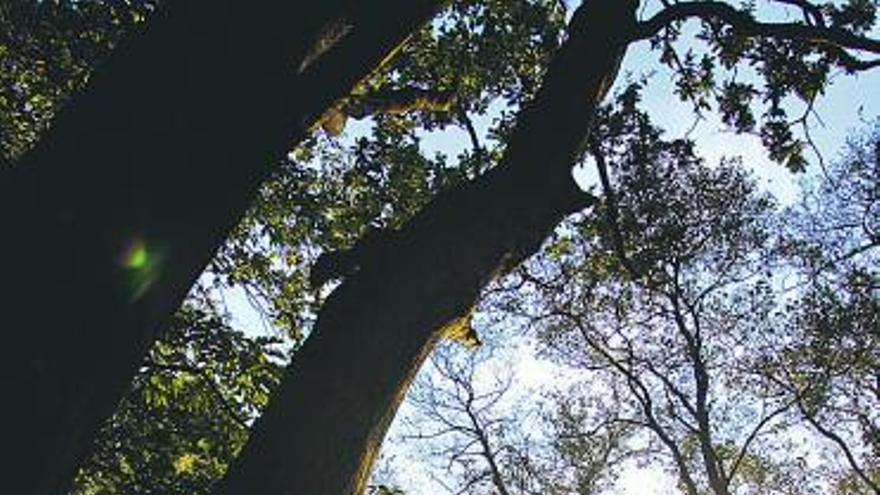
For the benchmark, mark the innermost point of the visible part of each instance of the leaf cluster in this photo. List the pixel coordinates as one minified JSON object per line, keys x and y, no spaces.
{"x":47,"y":51}
{"x":188,"y":412}
{"x":754,"y":79}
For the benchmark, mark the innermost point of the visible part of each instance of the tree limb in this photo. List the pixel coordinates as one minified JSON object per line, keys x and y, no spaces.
{"x":745,"y":23}
{"x":743,"y":451}
{"x":834,"y":437}
{"x":812,"y":13}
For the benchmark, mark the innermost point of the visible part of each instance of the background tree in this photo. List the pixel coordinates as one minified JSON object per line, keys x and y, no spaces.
{"x":466,"y":431}
{"x":476,"y":435}
{"x":743,"y":286}
{"x":679,"y":315}
{"x":829,"y":366}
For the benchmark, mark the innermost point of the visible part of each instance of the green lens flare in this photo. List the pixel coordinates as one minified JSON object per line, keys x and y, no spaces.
{"x":137,"y":255}
{"x":142,"y":265}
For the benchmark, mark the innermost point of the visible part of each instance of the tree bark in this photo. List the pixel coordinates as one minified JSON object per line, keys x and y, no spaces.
{"x":322,"y":430}
{"x":118,"y":209}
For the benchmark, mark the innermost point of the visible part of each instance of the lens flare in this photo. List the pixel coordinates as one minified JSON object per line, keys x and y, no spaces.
{"x":141,"y":263}
{"x":136,"y":256}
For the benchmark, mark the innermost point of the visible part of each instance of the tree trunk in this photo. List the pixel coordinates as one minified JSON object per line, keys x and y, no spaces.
{"x":322,"y":430}
{"x":118,"y":209}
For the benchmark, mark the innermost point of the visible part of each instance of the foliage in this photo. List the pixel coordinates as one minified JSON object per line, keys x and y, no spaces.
{"x":188,"y":412}
{"x":744,"y":69}
{"x":167,"y":436}
{"x":47,"y":51}
{"x":829,"y":365}
{"x":329,"y":191}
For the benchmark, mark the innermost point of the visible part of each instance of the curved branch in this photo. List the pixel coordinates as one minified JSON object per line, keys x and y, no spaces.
{"x":743,"y":451}
{"x":465,"y":120}
{"x":745,"y":23}
{"x":841,"y":443}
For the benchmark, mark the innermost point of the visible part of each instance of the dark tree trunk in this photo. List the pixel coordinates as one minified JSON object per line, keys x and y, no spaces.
{"x":322,"y":430}
{"x":112,"y":217}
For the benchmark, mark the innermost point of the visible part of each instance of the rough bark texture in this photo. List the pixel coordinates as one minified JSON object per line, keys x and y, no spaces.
{"x":112,"y":217}
{"x":322,"y":430}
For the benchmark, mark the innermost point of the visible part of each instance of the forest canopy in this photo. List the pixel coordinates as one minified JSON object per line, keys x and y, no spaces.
{"x":685,"y":321}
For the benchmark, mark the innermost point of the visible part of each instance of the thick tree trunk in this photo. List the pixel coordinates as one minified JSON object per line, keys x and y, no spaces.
{"x":322,"y":430}
{"x":112,"y":217}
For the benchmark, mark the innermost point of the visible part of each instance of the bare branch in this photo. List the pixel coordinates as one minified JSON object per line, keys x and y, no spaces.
{"x":751,"y":438}
{"x":841,"y":443}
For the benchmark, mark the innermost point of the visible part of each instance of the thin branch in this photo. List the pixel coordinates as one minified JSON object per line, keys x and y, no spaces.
{"x":843,"y":446}
{"x":835,"y":438}
{"x":643,"y":396}
{"x":472,"y":132}
{"x":611,"y":210}
{"x":751,"y":438}
{"x":678,"y":457}
{"x":714,"y":468}
{"x":673,"y":389}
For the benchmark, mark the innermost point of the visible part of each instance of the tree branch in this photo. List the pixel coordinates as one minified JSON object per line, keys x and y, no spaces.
{"x":611,"y":210}
{"x":321,"y":431}
{"x":745,"y":23}
{"x":673,"y":389}
{"x":714,"y":468}
{"x":472,"y":132}
{"x":834,"y":437}
{"x":751,"y":438}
